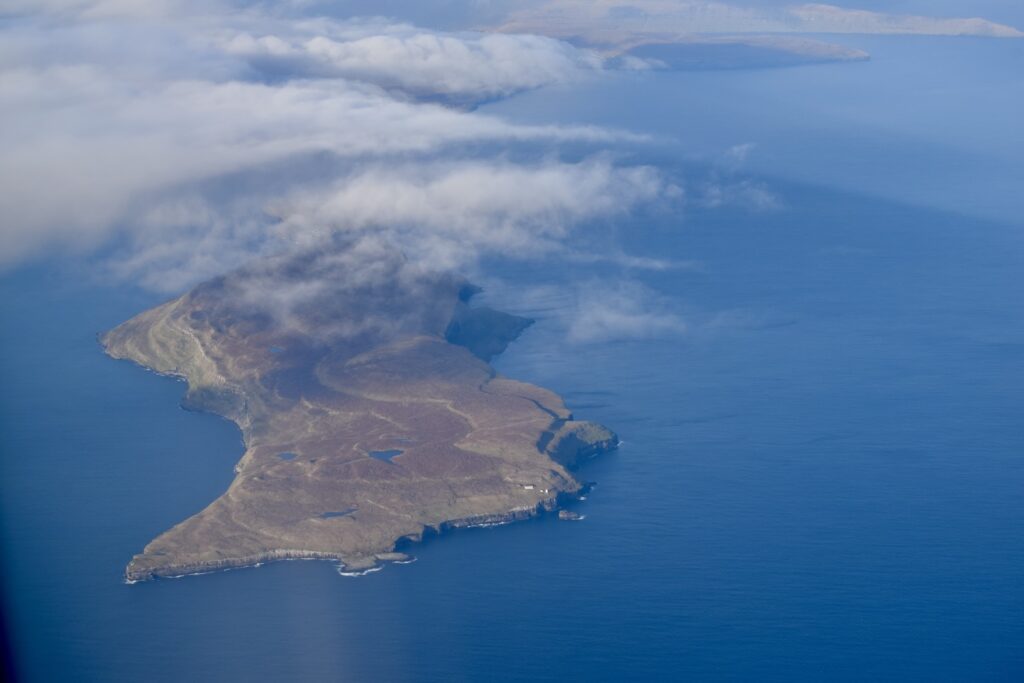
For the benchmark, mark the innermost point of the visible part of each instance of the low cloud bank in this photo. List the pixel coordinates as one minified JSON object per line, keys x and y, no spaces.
{"x":463,"y":67}
{"x":184,"y":139}
{"x":186,"y":132}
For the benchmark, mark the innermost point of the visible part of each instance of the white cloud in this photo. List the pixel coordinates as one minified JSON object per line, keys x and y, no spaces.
{"x":205,"y":138}
{"x":624,"y":311}
{"x":726,"y":186}
{"x":743,"y":193}
{"x":129,"y":126}
{"x":73,"y":162}
{"x":445,"y":215}
{"x":467,"y":66}
{"x":452,"y":211}
{"x":202,"y":138}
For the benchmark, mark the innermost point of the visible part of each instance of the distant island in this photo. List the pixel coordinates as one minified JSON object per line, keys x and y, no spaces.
{"x":369,"y":412}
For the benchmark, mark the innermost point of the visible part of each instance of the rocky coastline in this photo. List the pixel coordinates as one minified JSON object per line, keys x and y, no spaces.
{"x":360,"y":565}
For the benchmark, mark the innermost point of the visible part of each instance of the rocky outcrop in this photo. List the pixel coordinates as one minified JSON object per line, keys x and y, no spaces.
{"x":574,"y":441}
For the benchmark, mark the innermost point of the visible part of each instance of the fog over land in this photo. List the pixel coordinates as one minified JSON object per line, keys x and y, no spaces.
{"x":182,"y":139}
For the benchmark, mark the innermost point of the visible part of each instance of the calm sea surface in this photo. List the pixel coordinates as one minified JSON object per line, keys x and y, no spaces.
{"x":821,"y":480}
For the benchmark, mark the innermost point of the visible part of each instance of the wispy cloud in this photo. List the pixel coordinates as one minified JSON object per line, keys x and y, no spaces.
{"x":444,"y":214}
{"x":399,"y":57}
{"x":182,"y":132}
{"x":188,"y":138}
{"x":592,"y":310}
{"x":451,"y":211}
{"x":623,"y":310}
{"x":727,"y":186}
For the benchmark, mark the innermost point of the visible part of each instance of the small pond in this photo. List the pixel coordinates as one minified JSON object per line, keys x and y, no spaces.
{"x":386,"y":456}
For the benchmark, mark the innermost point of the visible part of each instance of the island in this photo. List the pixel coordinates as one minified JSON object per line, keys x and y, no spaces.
{"x":369,"y":412}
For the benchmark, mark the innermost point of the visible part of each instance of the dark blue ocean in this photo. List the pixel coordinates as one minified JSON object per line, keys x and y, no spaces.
{"x":820,"y":480}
